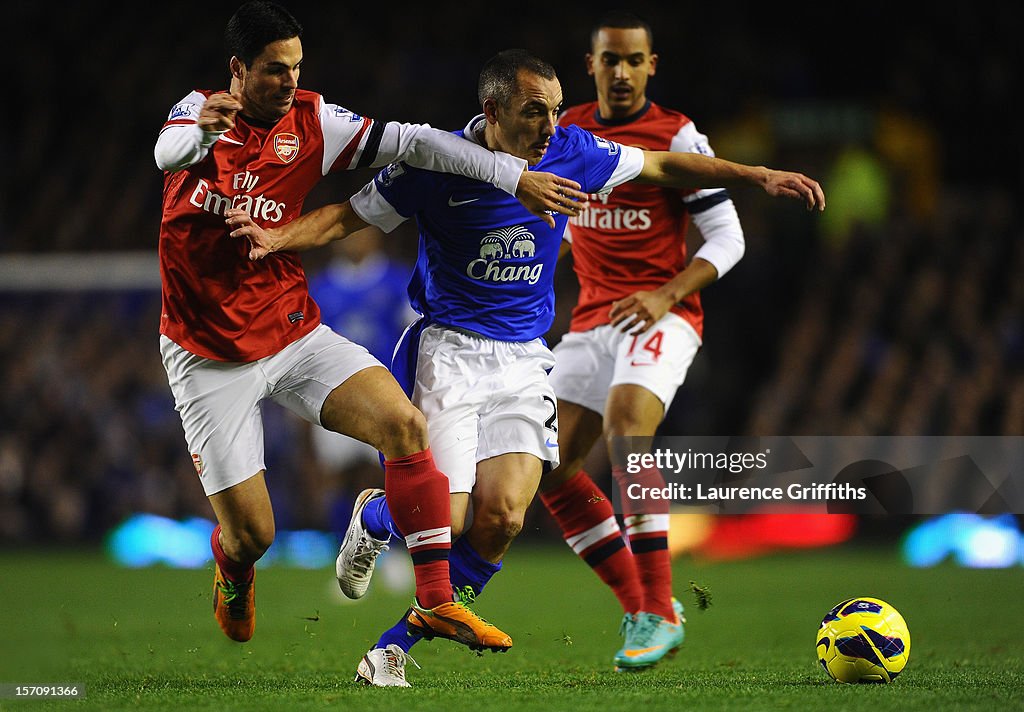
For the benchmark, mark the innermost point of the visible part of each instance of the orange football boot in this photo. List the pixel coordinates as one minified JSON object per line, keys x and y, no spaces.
{"x":234,"y":606}
{"x":456,"y":621}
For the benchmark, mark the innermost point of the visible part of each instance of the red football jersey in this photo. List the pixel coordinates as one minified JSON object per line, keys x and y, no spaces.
{"x":635,"y":237}
{"x":216,"y":302}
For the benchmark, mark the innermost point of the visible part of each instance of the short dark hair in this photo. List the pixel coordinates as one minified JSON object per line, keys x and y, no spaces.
{"x":255,"y":25}
{"x":500,"y":75}
{"x":621,"y":20}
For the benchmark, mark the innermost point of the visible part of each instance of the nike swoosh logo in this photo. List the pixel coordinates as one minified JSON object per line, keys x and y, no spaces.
{"x":428,"y":537}
{"x":549,"y":443}
{"x":231,"y":140}
{"x":453,"y":203}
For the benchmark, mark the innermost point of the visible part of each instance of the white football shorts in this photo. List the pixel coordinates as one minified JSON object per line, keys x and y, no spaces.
{"x":219,"y":402}
{"x":483,"y":398}
{"x":589,"y":363}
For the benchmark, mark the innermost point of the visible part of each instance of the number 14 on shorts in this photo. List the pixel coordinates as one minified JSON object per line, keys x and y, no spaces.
{"x":646,"y":348}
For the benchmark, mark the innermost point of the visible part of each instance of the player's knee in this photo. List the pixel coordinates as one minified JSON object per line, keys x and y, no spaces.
{"x":503,"y":524}
{"x":404,"y":433}
{"x":509,"y":525}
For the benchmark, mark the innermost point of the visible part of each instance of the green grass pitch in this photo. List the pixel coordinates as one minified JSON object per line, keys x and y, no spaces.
{"x":146,"y":639}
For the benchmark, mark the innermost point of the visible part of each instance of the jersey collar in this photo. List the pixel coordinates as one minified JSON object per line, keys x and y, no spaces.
{"x":625,"y":120}
{"x":259,"y":123}
{"x":474,"y":130}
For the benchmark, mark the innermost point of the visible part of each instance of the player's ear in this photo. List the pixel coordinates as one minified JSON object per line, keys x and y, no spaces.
{"x":236,"y":67}
{"x":589,"y":58}
{"x":654,"y":65}
{"x":491,"y":110}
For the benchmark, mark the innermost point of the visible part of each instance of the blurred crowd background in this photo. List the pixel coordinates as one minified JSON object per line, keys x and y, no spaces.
{"x":898,"y":311}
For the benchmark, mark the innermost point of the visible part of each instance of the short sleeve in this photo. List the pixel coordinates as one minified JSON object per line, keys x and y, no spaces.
{"x":606,"y":163}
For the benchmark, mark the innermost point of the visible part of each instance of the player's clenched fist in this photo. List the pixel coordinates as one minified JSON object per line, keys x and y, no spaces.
{"x":218,"y":112}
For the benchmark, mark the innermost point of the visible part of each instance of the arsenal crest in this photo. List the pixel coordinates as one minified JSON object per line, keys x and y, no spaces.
{"x":286,"y":146}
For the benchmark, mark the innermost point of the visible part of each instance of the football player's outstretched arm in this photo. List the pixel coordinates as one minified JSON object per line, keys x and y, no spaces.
{"x":724,"y":245}
{"x":428,"y":148}
{"x":693,"y":170}
{"x":314,"y":229}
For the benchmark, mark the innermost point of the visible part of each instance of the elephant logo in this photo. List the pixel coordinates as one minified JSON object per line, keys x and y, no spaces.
{"x":523,"y":248}
{"x":512,"y":241}
{"x":491,"y":250}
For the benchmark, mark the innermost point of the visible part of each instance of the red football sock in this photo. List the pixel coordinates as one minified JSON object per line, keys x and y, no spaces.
{"x":588,"y":525}
{"x":232,"y":570}
{"x":417,"y":496}
{"x":646,"y":522}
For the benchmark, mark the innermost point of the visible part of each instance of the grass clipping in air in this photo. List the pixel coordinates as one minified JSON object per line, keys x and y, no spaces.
{"x":702,"y":595}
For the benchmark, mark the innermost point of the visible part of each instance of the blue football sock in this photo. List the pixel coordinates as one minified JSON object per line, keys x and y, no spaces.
{"x":468,"y":569}
{"x":398,"y":634}
{"x":378,"y":522}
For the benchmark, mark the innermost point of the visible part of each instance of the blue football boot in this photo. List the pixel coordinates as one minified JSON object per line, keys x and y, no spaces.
{"x":649,"y":638}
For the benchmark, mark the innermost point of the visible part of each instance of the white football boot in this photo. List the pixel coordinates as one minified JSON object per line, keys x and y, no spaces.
{"x":359,"y":551}
{"x":384,"y":667}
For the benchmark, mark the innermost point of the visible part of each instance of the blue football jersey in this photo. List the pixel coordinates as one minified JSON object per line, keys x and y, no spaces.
{"x":364,"y":302}
{"x":486,"y":264}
